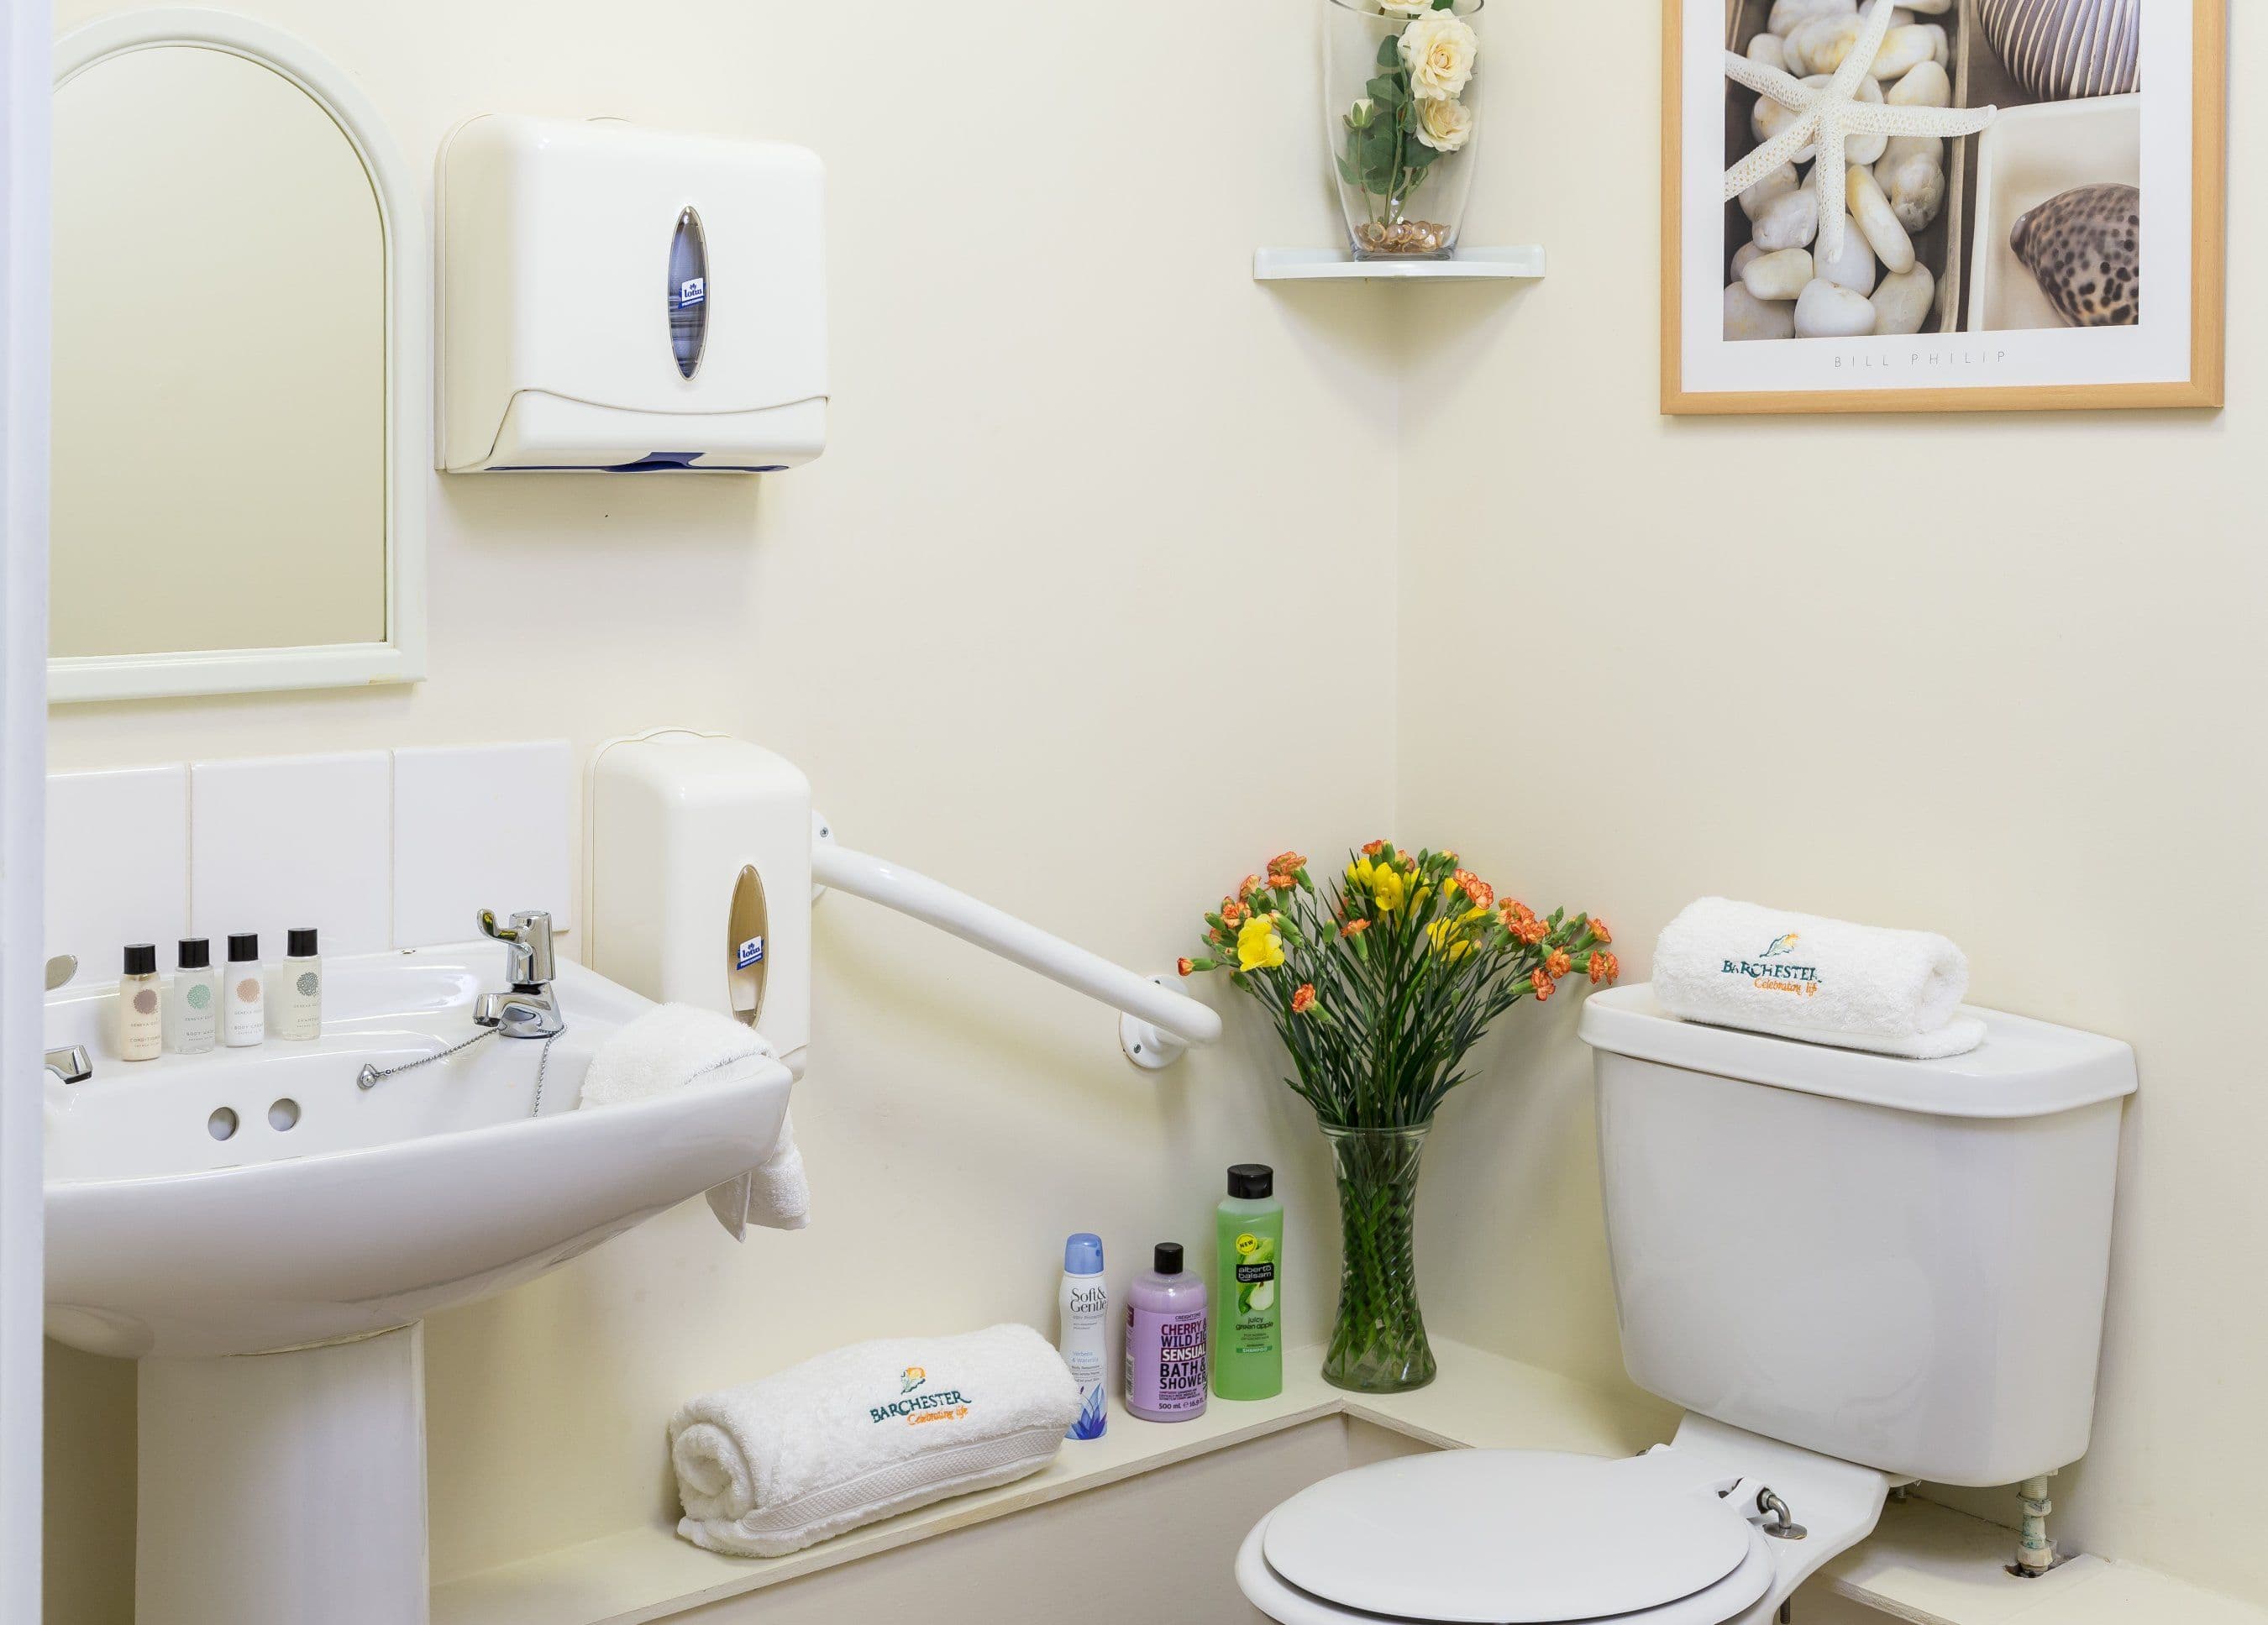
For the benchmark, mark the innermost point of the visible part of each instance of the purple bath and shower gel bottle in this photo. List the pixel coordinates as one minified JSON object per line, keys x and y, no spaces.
{"x":1166,"y":1341}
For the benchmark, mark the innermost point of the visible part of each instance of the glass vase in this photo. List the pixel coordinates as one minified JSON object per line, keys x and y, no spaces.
{"x":1378,"y":1343}
{"x":1402,"y":133}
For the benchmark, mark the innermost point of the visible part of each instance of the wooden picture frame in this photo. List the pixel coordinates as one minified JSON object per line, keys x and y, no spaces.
{"x":1965,"y":359}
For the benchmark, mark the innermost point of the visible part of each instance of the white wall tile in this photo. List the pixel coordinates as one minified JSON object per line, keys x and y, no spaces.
{"x":117,"y":865}
{"x":289,"y":841}
{"x":480,"y":827}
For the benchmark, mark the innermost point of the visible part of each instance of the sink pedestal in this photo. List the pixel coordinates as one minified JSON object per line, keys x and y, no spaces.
{"x":284,"y":1487}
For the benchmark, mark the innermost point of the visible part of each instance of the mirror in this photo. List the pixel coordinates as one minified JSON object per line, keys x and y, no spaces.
{"x":238,"y":369}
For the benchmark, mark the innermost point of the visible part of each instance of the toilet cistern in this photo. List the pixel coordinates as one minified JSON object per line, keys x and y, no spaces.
{"x":1890,"y":1327}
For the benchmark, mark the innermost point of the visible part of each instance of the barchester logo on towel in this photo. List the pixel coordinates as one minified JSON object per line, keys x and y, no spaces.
{"x":1772,"y":971}
{"x":941,"y":1405}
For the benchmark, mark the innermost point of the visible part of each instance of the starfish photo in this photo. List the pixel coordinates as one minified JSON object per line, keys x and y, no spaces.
{"x":1829,"y":113}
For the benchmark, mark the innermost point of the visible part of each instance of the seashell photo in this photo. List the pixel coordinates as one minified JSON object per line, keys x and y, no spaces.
{"x":1938,"y":203}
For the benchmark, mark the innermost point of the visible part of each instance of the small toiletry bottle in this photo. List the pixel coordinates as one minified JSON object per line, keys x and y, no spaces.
{"x":1248,"y":1356}
{"x":295,"y":998}
{"x":1083,"y":1307}
{"x":193,"y":1001}
{"x":243,"y":1022}
{"x":1166,"y":1341}
{"x":141,"y":1028}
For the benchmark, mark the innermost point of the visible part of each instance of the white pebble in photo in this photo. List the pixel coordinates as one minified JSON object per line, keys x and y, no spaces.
{"x":1742,"y":256}
{"x":1779,"y":183}
{"x":1829,"y":312}
{"x":1789,"y":221}
{"x":1748,"y":316}
{"x":1928,"y":85}
{"x":1902,"y":302}
{"x":1870,"y":207}
{"x":1854,"y":267}
{"x":1781,"y":275}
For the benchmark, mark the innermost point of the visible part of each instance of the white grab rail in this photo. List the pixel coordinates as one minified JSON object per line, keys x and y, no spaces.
{"x":1163,"y":1022}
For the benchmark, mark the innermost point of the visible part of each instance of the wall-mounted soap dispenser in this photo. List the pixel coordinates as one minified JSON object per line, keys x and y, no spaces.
{"x":700,"y":885}
{"x":617,"y":298}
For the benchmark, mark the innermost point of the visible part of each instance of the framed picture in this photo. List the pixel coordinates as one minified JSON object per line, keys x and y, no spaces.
{"x":1941,"y":205}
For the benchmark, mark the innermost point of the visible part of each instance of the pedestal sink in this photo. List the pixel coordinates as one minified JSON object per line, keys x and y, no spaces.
{"x":263,"y":1236}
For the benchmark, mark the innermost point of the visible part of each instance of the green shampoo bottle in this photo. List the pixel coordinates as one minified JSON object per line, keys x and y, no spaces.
{"x":1248,"y":1356}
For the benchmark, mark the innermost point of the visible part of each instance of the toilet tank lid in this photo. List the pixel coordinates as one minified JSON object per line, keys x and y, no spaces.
{"x":2023,"y":1068}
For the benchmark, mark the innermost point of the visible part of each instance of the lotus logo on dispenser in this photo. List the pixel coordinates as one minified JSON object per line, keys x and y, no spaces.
{"x":748,"y":954}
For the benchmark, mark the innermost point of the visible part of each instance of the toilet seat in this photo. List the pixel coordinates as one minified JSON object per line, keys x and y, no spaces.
{"x":1495,"y":1537}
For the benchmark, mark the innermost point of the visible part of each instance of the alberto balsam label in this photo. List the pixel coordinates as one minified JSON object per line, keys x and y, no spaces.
{"x":1166,"y":1361}
{"x":1251,"y":1329}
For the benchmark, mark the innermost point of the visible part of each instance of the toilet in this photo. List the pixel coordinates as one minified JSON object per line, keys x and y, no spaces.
{"x":1853,"y":1272}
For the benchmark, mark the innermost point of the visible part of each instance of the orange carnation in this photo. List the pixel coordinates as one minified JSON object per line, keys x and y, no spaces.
{"x":1542,"y":984}
{"x":1556,"y":963}
{"x":1304,"y":1000}
{"x":1373,"y":848}
{"x":1232,"y":913}
{"x":1605,"y":968}
{"x":1528,"y":929}
{"x":1183,"y":967}
{"x":1599,"y":929}
{"x":1354,"y":928}
{"x":1472,"y":885}
{"x":1287,"y":863}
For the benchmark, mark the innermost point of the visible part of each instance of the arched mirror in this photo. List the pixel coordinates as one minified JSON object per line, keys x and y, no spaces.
{"x":240,"y":369}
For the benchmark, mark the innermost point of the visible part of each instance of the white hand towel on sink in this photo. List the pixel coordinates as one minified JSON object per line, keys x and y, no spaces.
{"x":668,"y":1047}
{"x":1825,"y":982}
{"x":864,"y":1433}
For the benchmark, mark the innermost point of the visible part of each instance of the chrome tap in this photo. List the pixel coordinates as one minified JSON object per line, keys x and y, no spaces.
{"x":531,"y":1008}
{"x":69,"y":1063}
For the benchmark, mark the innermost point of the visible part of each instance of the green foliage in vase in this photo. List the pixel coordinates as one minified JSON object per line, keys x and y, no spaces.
{"x":1380,"y":983}
{"x":1390,"y":144}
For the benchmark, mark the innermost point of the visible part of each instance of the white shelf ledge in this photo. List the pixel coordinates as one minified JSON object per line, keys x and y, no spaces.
{"x":1924,"y":1562}
{"x":1337,"y":264}
{"x":1934,"y":1566}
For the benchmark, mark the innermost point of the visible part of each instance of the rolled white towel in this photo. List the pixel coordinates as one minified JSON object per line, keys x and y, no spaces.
{"x":668,"y":1047}
{"x":865,"y":1433}
{"x":1826,"y":981}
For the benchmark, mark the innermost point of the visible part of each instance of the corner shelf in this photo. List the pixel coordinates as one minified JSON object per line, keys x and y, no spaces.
{"x":1525,"y":262}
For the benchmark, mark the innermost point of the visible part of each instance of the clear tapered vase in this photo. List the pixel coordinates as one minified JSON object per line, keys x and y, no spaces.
{"x":1403,"y":136}
{"x":1378,"y":1342}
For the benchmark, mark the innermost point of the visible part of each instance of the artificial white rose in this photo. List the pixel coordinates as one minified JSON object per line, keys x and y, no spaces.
{"x":1438,"y":49}
{"x":1363,"y":114}
{"x":1444,"y":125}
{"x":1404,"y":8}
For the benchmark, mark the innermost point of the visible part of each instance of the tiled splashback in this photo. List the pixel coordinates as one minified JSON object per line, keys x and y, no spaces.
{"x":375,"y":848}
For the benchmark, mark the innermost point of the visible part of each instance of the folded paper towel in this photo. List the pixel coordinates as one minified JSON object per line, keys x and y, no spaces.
{"x":1827,"y":981}
{"x":864,"y":1433}
{"x":668,"y":1047}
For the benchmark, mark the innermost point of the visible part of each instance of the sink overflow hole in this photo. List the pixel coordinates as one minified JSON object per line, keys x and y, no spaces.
{"x":284,"y":1114}
{"x":221,"y":1124}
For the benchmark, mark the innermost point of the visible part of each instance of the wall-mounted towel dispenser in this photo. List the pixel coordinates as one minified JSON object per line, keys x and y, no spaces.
{"x":617,"y":299}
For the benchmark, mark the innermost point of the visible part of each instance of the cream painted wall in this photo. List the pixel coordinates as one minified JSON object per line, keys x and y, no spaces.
{"x":1022,"y":625}
{"x":1991,"y":675}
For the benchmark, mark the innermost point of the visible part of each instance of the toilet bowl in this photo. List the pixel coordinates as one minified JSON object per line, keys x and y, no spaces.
{"x":1813,"y":1255}
{"x":1716,"y":1528}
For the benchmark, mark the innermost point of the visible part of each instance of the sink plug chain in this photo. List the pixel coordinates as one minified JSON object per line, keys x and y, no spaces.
{"x":1782,"y":1525}
{"x":372,"y":1074}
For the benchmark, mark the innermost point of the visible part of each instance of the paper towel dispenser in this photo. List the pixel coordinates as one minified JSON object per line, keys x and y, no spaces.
{"x":617,"y":299}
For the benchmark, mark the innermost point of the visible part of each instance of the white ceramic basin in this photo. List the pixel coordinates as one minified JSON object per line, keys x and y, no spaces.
{"x":371,"y":1209}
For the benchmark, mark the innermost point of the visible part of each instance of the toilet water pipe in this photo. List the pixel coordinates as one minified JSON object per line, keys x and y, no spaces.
{"x":1157,"y":1024}
{"x":2036,"y":1552}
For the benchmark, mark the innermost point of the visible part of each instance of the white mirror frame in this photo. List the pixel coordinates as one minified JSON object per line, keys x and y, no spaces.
{"x":401,"y":659}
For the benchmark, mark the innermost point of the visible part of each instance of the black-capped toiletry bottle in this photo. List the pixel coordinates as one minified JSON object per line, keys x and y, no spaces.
{"x":244,"y":1021}
{"x":295,"y":991}
{"x":141,"y":1025}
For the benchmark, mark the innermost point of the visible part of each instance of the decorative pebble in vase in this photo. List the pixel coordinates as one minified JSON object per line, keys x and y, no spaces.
{"x":1399,"y":115}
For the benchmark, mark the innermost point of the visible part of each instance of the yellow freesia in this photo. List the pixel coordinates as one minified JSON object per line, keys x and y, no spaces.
{"x":1388,"y":885}
{"x":1447,"y":939}
{"x":1258,"y":945}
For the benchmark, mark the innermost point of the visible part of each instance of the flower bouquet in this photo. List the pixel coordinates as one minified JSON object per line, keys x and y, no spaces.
{"x":1397,"y":72}
{"x":1379,"y":985}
